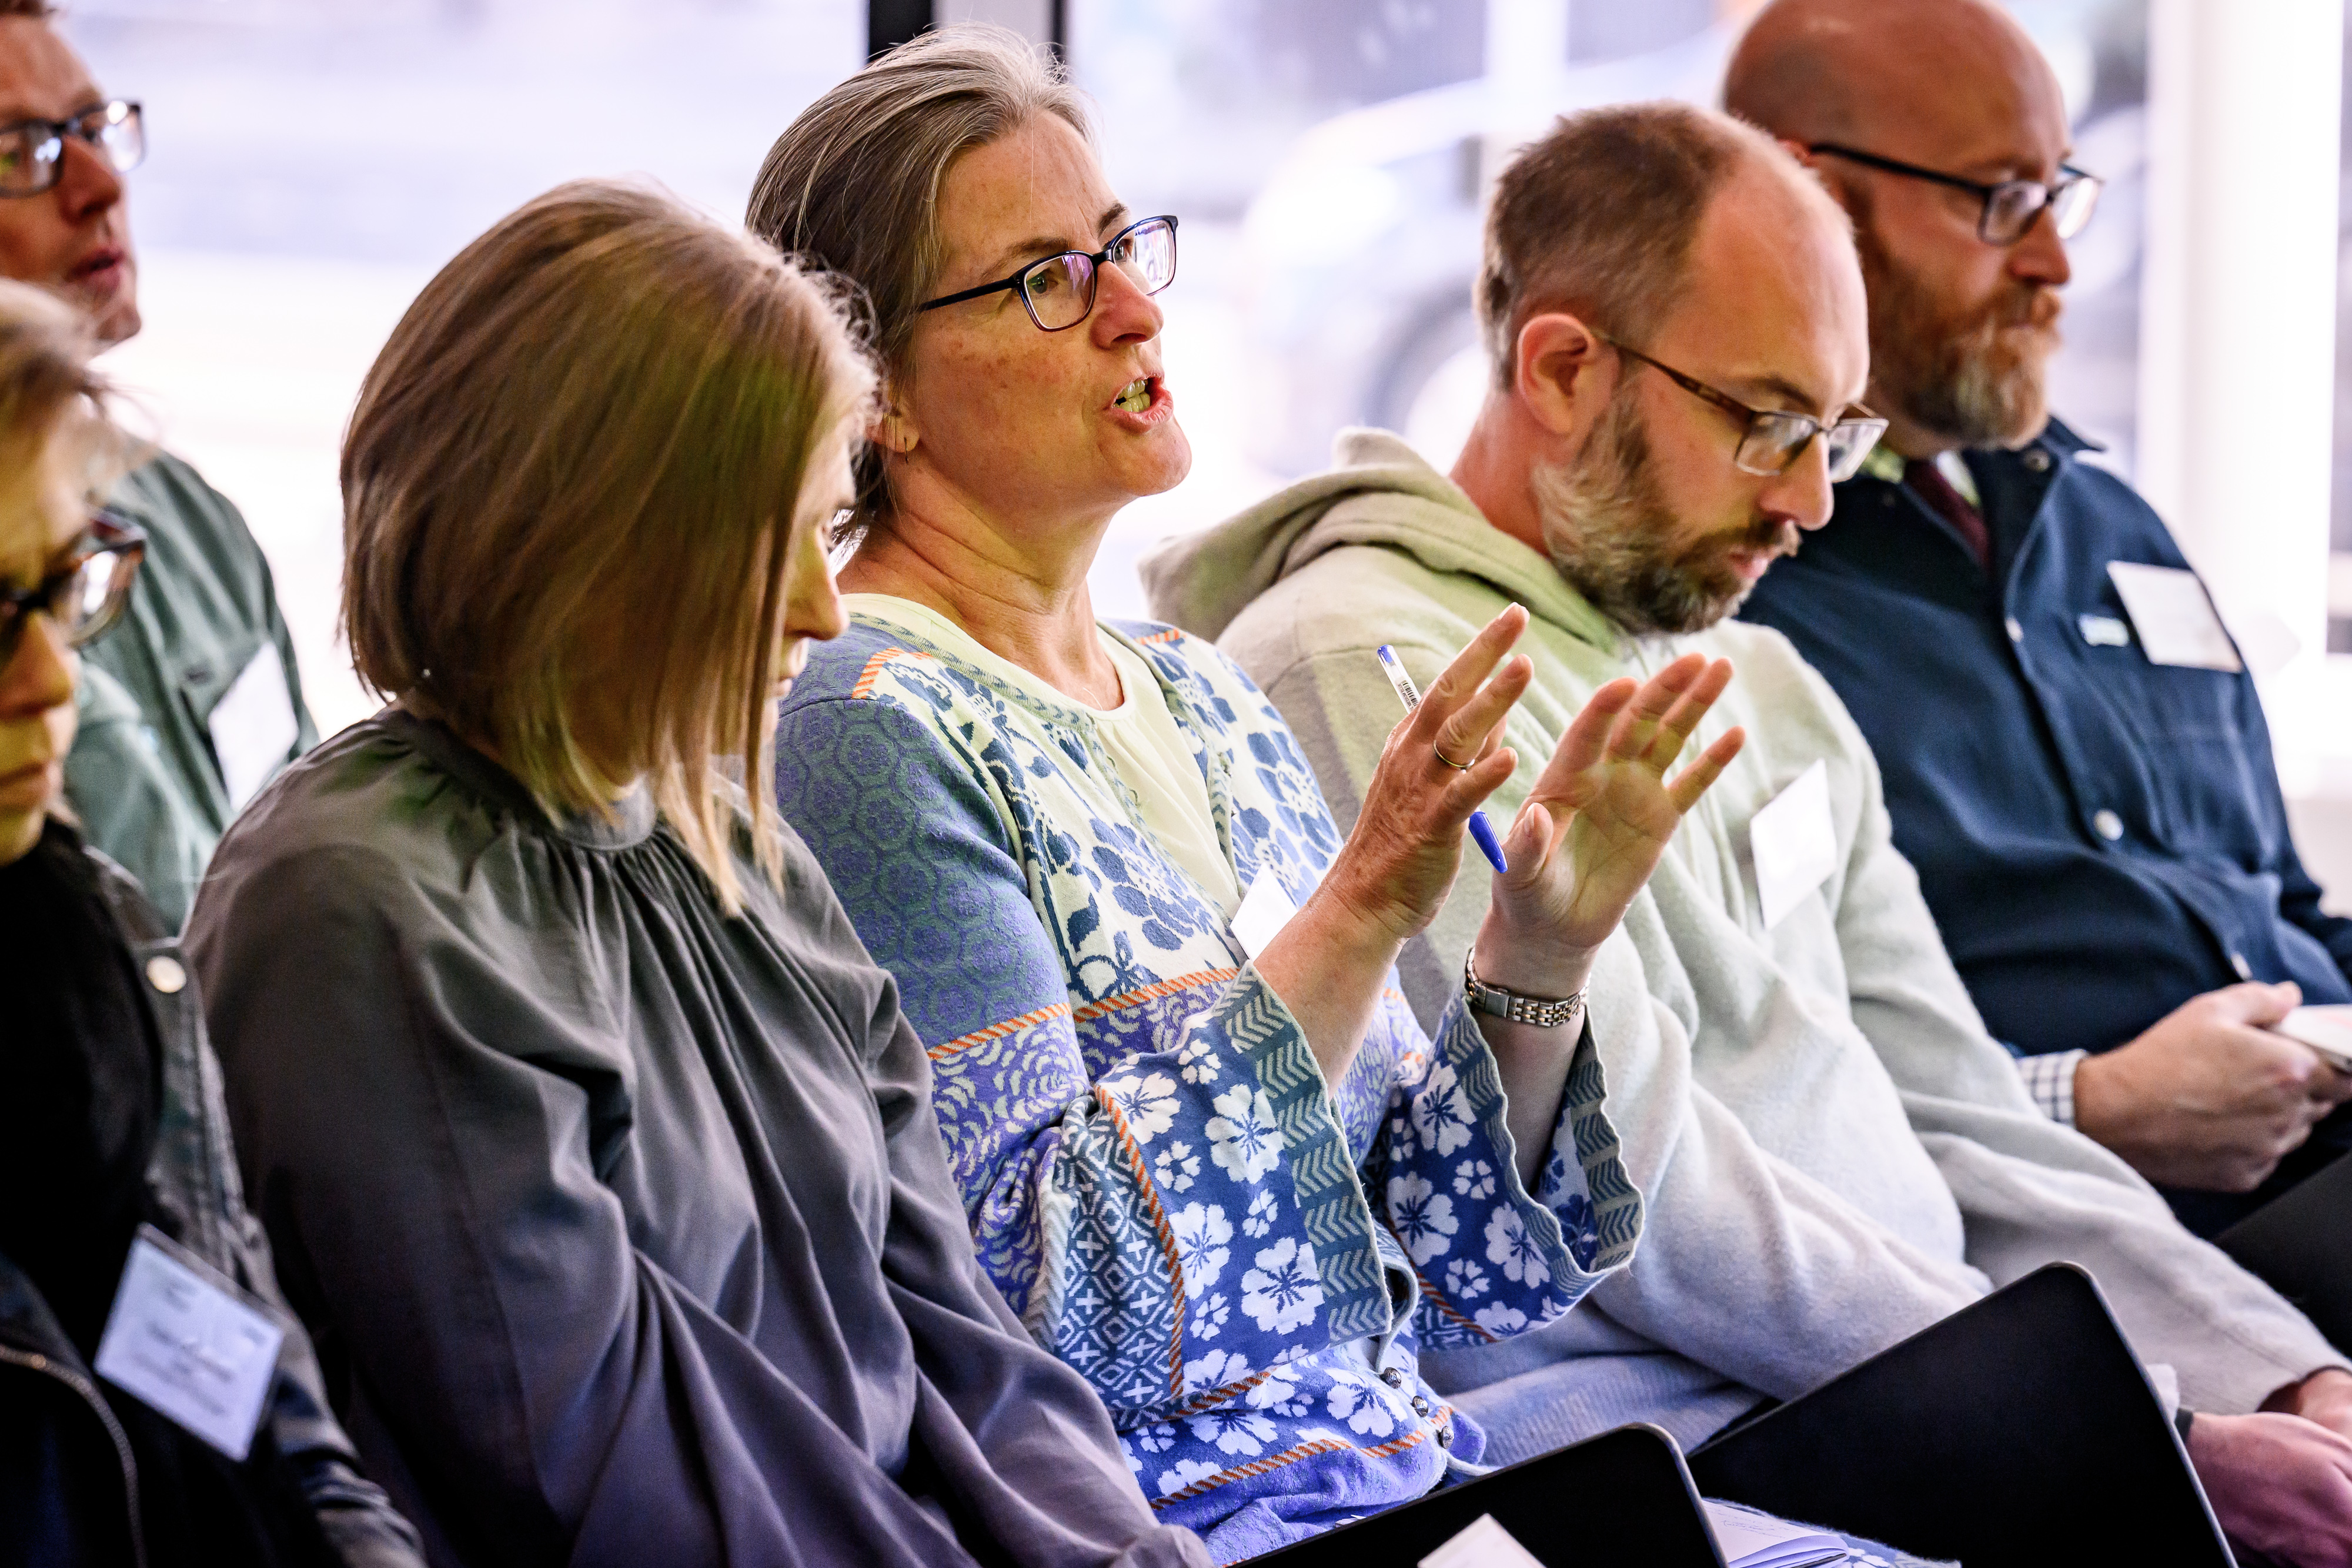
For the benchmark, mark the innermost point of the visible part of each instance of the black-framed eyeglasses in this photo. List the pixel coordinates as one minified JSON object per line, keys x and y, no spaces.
{"x":2011,"y":207}
{"x":1775,"y":438}
{"x":83,"y":596}
{"x":1058,"y":292}
{"x":33,"y":151}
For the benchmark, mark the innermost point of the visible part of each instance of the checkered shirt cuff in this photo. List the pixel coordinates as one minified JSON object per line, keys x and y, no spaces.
{"x":2051,"y":1080}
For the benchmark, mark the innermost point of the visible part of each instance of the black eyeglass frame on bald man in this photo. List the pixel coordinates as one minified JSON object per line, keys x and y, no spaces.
{"x":2012,"y":207}
{"x":1774,"y":438}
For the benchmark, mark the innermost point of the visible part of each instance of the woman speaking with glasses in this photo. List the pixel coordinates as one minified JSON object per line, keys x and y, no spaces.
{"x":1204,"y":1149}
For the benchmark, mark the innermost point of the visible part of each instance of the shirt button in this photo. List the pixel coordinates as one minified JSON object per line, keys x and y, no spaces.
{"x":164,"y":972}
{"x":2238,"y":962}
{"x":1420,"y":1406}
{"x":1392,"y":1378}
{"x":2110,"y":826}
{"x":1445,"y":1437}
{"x":2038,"y":461}
{"x":2016,"y":633}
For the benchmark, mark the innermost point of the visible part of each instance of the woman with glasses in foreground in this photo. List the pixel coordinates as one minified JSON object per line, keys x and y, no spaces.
{"x":601,"y":1155}
{"x":111,"y":1116}
{"x":1172,"y":1064}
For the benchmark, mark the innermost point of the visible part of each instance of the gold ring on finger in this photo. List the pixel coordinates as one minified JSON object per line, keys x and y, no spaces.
{"x":1457,"y":767}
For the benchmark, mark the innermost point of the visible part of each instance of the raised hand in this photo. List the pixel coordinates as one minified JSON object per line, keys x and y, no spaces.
{"x":1591,"y":831}
{"x":1440,"y":761}
{"x":1391,"y":878}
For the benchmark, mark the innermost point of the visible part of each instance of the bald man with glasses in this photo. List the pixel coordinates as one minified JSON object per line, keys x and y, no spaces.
{"x":2082,"y":778}
{"x":192,"y":702}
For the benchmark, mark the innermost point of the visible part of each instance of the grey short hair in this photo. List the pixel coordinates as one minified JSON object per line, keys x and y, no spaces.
{"x":1599,"y":216}
{"x":852,"y":187}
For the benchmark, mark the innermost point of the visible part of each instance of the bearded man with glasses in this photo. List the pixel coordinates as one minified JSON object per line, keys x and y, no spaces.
{"x":192,"y":702}
{"x":1834,"y":1153}
{"x":2091,"y":804}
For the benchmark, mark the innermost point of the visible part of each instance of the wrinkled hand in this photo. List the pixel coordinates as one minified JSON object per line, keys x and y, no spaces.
{"x":1397,"y":865}
{"x":2278,"y":1483}
{"x":2207,"y":1098}
{"x":2325,"y":1397}
{"x":1591,"y":831}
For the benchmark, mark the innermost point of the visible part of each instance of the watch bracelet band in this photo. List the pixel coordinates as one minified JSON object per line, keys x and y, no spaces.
{"x":1542,"y":1013}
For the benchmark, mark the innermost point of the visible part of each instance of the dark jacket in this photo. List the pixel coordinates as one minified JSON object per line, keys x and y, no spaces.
{"x":2101,"y":838}
{"x":69,"y":1480}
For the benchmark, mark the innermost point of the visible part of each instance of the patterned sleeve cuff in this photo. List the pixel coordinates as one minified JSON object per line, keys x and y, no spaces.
{"x":1582,"y":1191}
{"x":2050,"y":1080}
{"x":1252,"y":1019}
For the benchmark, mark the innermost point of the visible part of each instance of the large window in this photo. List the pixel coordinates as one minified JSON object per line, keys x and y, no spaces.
{"x":1330,"y":159}
{"x":314,"y":160}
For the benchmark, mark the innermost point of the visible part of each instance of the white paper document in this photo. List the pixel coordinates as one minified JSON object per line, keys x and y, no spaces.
{"x":1794,"y":842}
{"x":253,"y":726}
{"x":1266,"y":909}
{"x":2326,"y":1030}
{"x":1758,"y":1541}
{"x":1485,"y":1544}
{"x":2174,"y":617}
{"x":182,"y":1340}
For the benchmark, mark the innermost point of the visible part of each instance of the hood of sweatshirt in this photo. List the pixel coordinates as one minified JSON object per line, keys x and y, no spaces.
{"x":1378,"y":492}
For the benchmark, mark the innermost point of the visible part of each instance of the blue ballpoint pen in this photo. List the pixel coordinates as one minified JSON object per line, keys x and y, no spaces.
{"x":1410,"y":695}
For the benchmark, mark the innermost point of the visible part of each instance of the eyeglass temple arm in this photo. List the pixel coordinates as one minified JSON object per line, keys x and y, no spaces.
{"x":1896,"y":166}
{"x":998,"y":286}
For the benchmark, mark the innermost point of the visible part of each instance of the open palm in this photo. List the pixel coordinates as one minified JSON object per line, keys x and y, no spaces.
{"x":1592,"y":828}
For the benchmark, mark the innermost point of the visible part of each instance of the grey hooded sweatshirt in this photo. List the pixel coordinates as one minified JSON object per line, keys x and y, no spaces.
{"x":1834,"y":1151}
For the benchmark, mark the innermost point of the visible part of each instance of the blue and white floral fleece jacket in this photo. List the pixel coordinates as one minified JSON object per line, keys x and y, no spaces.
{"x":1242,"y":1259}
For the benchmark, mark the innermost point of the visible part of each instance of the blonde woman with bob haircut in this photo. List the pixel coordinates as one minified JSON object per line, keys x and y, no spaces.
{"x":601,"y":1155}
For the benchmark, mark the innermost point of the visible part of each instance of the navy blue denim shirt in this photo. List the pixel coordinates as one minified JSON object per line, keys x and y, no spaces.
{"x":2100,"y":838}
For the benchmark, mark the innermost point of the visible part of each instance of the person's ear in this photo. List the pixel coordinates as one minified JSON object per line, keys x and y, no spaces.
{"x":1560,"y":377}
{"x":892,"y":430}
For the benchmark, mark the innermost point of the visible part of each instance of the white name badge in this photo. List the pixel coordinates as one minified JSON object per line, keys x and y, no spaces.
{"x":182,"y":1340}
{"x":253,"y":726}
{"x":1485,"y":1544}
{"x":2174,"y":617}
{"x":1265,"y":910}
{"x":1794,"y":842}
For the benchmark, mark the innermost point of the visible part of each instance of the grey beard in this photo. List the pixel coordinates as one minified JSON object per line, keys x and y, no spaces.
{"x":1606,"y":531}
{"x":1979,"y":402}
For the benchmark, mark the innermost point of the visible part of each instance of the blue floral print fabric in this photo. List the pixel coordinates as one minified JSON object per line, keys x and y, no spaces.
{"x":1241,"y":1258}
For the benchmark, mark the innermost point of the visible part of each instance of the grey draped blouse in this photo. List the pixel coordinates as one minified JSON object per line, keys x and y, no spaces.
{"x":623,"y":1227}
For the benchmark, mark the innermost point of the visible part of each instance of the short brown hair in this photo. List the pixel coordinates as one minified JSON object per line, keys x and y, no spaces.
{"x":853,"y":185}
{"x":1598,"y":217}
{"x":599,"y":413}
{"x":31,"y":10}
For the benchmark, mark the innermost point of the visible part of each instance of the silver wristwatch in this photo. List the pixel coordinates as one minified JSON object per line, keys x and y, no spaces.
{"x":1494,"y":999}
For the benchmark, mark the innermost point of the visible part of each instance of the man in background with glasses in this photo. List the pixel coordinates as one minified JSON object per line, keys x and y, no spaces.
{"x":192,"y":702}
{"x":1834,"y":1153}
{"x":2088,"y":793}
